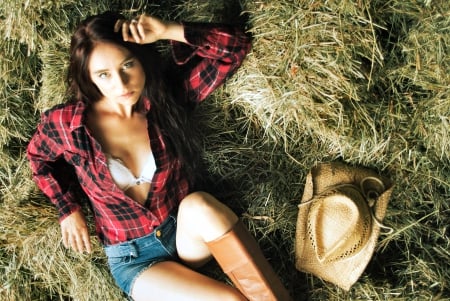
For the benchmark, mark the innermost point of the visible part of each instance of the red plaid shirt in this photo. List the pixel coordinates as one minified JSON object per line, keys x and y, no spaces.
{"x":64,"y":155}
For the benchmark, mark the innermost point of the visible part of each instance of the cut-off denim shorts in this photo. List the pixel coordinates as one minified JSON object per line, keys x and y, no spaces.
{"x":129,"y":259}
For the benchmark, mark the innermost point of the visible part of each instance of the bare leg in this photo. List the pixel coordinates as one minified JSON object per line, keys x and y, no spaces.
{"x":201,"y":218}
{"x":173,"y":281}
{"x":207,"y":227}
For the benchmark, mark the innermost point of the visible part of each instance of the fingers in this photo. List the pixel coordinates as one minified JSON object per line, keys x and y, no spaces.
{"x":79,"y":241}
{"x":118,"y":25}
{"x":135,"y":36}
{"x":132,"y":30}
{"x":140,"y":31}
{"x":125,"y":30}
{"x":75,"y":233}
{"x":65,"y":239}
{"x":87,"y":243}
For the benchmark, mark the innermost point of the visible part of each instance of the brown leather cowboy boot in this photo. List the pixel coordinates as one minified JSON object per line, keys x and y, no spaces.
{"x":240,"y":257}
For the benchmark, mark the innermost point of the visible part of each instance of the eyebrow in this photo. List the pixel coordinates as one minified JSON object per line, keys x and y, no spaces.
{"x":130,"y":57}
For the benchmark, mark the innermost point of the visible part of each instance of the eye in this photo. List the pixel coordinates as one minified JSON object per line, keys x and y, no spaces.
{"x":128,"y":64}
{"x":103,"y":75}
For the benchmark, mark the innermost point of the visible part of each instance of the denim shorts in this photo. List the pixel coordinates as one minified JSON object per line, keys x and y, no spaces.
{"x":129,"y":259}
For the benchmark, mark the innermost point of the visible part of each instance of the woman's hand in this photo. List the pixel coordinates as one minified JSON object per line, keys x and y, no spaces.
{"x":75,"y":233}
{"x":148,"y":29}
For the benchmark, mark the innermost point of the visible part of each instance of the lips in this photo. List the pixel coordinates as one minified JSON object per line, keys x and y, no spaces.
{"x":127,"y":95}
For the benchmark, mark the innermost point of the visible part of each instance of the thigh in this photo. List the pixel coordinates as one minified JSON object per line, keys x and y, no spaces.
{"x":173,"y":281}
{"x":191,"y":248}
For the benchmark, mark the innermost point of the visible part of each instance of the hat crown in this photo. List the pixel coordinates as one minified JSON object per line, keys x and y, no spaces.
{"x":339,"y":223}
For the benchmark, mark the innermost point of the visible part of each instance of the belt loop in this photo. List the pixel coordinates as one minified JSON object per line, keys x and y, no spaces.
{"x":134,"y":252}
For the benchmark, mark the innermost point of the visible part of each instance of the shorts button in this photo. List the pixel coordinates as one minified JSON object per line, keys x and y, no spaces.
{"x":158,"y":233}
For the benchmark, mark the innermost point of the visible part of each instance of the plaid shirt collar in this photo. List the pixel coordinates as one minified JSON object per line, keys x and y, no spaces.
{"x":78,"y":115}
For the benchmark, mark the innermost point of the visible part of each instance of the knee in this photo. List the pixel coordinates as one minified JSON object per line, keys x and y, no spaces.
{"x":197,"y":204}
{"x":203,"y":207}
{"x":204,"y":214}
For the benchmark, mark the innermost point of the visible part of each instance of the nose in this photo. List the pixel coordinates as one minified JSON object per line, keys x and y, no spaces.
{"x":122,"y":79}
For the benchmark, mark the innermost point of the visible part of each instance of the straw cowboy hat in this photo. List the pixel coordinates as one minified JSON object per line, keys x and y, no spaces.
{"x":339,"y":221}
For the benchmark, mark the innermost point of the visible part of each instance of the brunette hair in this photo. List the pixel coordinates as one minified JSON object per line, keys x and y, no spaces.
{"x":169,"y":107}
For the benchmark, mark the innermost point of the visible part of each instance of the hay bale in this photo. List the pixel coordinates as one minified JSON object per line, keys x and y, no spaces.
{"x":422,"y":77}
{"x":37,"y":256}
{"x":18,"y":83}
{"x":310,"y":69}
{"x":54,"y":57}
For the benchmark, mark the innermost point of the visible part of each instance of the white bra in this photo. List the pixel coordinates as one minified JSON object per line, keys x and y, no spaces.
{"x":124,"y":178}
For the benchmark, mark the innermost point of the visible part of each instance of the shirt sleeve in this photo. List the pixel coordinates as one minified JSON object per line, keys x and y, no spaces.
{"x":216,"y":51}
{"x":52,"y":174}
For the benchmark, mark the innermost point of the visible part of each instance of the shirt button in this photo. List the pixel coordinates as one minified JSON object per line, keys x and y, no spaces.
{"x":158,"y":233}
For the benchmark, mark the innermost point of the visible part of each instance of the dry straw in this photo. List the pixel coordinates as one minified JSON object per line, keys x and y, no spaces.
{"x":365,"y":82}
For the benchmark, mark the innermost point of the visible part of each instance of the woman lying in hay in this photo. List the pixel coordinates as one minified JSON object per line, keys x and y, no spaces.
{"x":124,"y":139}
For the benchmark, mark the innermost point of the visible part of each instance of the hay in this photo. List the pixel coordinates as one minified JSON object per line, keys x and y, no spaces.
{"x":310,"y":66}
{"x":365,"y":82}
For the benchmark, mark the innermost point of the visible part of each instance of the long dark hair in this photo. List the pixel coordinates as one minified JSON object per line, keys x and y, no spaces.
{"x":171,"y":116}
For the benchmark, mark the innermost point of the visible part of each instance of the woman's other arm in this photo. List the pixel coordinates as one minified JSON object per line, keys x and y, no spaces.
{"x":57,"y":180}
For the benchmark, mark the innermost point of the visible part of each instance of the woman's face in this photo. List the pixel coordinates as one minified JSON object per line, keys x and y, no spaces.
{"x":117,"y":73}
